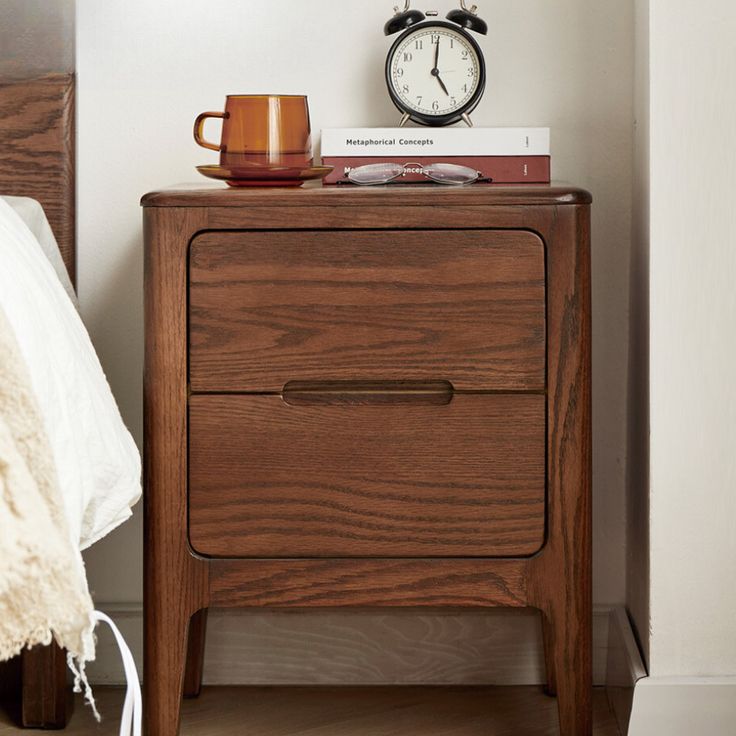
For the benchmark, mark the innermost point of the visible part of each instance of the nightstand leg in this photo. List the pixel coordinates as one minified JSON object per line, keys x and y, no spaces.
{"x":195,"y":654}
{"x":165,"y":648}
{"x":548,"y":638}
{"x":571,"y":662}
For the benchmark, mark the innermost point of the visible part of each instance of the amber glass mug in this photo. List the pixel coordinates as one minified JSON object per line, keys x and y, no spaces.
{"x":261,"y":130}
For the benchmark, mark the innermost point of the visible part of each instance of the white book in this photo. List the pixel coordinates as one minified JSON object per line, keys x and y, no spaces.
{"x":435,"y":142}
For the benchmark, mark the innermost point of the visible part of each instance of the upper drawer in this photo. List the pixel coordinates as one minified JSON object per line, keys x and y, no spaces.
{"x":267,"y":308}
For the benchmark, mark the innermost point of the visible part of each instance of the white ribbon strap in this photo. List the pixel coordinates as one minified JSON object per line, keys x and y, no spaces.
{"x":130,"y":722}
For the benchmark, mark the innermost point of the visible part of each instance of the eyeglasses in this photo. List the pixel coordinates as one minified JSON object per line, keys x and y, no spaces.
{"x":453,"y":174}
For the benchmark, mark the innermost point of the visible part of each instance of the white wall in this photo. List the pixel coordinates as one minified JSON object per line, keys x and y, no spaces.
{"x":145,"y":69}
{"x":36,"y":37}
{"x":693,"y":338}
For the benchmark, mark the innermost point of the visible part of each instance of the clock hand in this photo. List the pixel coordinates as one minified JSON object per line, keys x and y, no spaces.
{"x":436,"y":70}
{"x":436,"y":73}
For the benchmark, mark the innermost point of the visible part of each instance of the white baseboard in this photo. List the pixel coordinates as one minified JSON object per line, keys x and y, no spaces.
{"x":495,"y":647}
{"x":684,"y":706}
{"x":663,"y":706}
{"x":624,"y":668}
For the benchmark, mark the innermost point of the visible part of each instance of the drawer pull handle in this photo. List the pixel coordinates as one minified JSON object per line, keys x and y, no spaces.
{"x":309,"y":393}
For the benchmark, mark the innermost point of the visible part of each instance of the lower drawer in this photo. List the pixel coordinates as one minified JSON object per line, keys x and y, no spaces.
{"x":348,"y":479}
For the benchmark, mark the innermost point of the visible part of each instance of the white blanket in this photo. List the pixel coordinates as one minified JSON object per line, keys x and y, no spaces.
{"x":96,"y":460}
{"x":43,"y":587}
{"x":69,"y":469}
{"x":32,"y":214}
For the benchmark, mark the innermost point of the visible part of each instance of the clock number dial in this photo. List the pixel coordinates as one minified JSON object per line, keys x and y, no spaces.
{"x":435,"y":72}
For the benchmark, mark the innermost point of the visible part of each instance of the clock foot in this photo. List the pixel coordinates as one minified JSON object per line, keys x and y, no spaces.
{"x":404,"y":120}
{"x":467,"y":120}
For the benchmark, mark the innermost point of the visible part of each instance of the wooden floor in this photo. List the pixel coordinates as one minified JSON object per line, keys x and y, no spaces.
{"x":406,"y":711}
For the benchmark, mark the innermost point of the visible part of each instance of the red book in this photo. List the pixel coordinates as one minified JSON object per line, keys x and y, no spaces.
{"x":501,"y":169}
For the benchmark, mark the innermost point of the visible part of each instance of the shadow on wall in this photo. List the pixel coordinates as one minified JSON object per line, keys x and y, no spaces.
{"x":637,"y":476}
{"x":114,"y":323}
{"x":637,"y":481}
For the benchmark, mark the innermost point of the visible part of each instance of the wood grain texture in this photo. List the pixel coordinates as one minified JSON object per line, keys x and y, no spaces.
{"x":331,"y":711}
{"x":377,"y":583}
{"x":465,"y":479}
{"x":37,"y":151}
{"x":175,"y":583}
{"x":314,"y":195}
{"x":556,"y":580}
{"x":427,"y":215}
{"x":568,"y":608}
{"x":462,"y":306}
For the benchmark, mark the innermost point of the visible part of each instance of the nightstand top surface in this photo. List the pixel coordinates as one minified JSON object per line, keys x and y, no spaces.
{"x":215,"y":195}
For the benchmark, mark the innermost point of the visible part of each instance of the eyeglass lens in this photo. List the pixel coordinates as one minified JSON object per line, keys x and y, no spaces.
{"x":372,"y":174}
{"x":451,"y":173}
{"x":375,"y":173}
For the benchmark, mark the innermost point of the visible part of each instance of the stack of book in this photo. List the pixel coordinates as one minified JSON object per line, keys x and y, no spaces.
{"x":504,"y":155}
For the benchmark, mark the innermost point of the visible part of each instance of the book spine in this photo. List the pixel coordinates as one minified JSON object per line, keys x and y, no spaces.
{"x":435,"y":141}
{"x":501,"y":169}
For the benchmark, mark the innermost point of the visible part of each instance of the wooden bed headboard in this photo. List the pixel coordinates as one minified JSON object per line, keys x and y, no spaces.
{"x":37,"y":151}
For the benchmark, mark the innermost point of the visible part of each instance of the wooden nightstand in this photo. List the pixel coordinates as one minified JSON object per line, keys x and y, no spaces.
{"x":367,"y":397}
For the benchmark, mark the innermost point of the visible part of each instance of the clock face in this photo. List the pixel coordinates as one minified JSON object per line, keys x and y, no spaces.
{"x":435,"y":72}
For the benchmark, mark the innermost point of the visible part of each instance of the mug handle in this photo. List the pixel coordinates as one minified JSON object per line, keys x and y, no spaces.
{"x":199,"y":129}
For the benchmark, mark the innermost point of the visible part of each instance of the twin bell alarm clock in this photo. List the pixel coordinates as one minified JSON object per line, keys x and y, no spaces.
{"x":435,"y":70}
